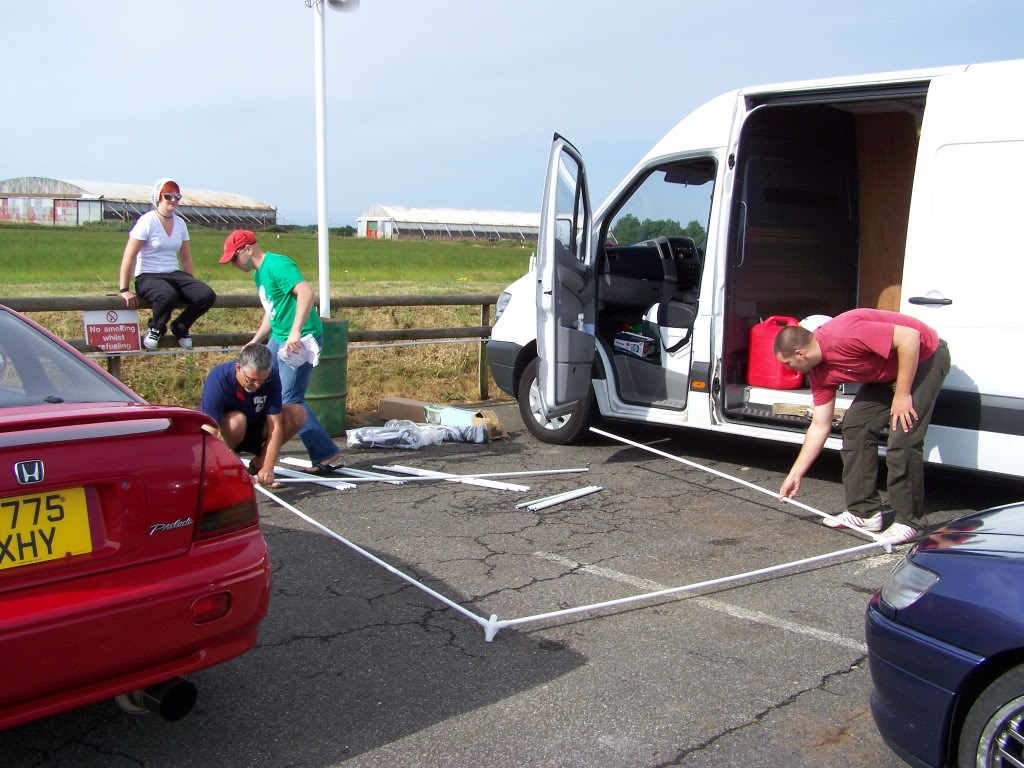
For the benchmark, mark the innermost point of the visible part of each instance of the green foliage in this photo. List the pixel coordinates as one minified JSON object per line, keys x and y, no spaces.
{"x":696,"y":232}
{"x":629,"y":229}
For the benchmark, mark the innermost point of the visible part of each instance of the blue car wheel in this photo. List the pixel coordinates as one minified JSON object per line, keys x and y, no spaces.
{"x":993,"y":733}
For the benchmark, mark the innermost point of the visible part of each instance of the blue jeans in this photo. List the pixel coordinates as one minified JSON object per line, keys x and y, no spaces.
{"x":294,"y":381}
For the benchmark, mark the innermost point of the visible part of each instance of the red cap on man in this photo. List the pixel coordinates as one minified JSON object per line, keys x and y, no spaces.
{"x":237,"y":239}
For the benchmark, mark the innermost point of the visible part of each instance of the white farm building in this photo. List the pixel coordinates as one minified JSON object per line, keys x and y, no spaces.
{"x":392,"y":222}
{"x":65,"y":203}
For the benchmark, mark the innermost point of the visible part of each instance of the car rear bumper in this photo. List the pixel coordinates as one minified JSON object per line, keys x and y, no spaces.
{"x":502,"y":357}
{"x":916,"y":679}
{"x":128,"y":629}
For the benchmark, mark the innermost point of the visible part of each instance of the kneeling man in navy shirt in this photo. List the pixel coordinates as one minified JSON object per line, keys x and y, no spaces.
{"x":244,"y":398}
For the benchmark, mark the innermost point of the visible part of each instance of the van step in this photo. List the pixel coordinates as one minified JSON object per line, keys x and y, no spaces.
{"x":763,"y":413}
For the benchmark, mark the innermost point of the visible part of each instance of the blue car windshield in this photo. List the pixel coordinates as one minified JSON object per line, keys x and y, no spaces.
{"x":34,"y":370}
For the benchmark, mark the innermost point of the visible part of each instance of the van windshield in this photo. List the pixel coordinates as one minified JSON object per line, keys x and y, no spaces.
{"x":671,"y":201}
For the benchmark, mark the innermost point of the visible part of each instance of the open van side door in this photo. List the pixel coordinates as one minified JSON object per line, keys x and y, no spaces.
{"x":565,"y":284}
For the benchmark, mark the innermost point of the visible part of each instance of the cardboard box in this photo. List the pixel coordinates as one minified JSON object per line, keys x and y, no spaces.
{"x":422,"y":412}
{"x":492,"y":422}
{"x":633,"y":344}
{"x":401,"y":408}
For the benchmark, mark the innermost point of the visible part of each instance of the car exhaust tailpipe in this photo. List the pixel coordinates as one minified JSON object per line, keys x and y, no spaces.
{"x":171,"y":699}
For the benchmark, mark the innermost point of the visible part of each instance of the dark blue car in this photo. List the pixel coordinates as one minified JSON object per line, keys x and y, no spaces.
{"x":945,"y":641}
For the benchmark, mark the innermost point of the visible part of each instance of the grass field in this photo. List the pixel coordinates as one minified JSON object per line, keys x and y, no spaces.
{"x":86,"y":261}
{"x":43,"y":261}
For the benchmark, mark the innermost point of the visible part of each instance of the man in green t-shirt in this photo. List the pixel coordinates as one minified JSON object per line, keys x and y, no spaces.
{"x":287,"y":302}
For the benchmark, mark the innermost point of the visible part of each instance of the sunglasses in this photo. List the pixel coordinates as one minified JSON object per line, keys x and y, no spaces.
{"x":172,"y":196}
{"x":233,"y":258}
{"x":252,"y":381}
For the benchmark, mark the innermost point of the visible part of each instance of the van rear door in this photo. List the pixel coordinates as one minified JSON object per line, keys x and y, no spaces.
{"x":964,"y":269}
{"x":565,"y":284}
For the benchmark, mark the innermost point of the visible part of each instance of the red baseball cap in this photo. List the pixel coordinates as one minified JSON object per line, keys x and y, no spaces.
{"x":237,"y":239}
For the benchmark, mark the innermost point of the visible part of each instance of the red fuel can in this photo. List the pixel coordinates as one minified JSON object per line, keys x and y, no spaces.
{"x":763,"y":370}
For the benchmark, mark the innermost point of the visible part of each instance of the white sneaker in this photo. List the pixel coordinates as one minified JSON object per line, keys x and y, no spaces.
{"x":151,"y":339}
{"x":898,"y":533}
{"x":846,"y":519}
{"x":184,"y":339}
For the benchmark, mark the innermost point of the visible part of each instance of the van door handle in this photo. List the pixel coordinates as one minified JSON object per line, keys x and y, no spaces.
{"x":741,"y":230}
{"x":926,"y":300}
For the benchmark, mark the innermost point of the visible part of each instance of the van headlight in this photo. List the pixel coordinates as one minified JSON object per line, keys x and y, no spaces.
{"x":501,"y":303}
{"x":906,"y":584}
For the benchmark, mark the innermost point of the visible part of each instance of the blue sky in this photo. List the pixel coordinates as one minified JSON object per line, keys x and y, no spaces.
{"x":450,"y":103}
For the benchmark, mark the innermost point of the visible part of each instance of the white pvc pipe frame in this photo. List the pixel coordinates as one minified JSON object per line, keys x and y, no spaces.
{"x":492,"y":625}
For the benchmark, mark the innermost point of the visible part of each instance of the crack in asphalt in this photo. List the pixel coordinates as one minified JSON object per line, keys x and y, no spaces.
{"x":45,"y":756}
{"x":793,"y":698}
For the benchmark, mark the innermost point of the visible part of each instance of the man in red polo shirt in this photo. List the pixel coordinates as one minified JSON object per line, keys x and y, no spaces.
{"x":901,"y":364}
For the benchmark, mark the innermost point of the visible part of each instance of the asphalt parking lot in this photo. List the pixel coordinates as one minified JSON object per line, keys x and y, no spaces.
{"x":356,"y":667}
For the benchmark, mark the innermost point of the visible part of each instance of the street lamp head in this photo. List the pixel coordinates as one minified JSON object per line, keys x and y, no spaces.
{"x":343,"y":5}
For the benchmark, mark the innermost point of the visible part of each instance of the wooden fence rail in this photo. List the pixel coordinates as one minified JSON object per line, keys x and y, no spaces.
{"x":219,"y":342}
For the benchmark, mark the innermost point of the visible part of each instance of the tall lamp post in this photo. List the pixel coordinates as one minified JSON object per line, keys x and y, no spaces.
{"x":323,"y":246}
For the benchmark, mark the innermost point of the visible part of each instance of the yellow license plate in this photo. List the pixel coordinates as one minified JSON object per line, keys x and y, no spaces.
{"x":43,"y":526}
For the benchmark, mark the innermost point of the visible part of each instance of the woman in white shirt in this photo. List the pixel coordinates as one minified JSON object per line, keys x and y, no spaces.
{"x":158,"y":254}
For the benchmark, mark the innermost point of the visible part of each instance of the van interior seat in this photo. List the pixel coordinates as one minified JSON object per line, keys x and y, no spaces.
{"x":679,"y":311}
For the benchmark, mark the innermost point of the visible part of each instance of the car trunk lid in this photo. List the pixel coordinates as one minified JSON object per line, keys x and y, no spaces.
{"x":87,"y":487}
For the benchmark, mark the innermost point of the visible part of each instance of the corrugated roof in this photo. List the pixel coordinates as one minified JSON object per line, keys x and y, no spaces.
{"x":133,"y":193}
{"x":459,"y":216}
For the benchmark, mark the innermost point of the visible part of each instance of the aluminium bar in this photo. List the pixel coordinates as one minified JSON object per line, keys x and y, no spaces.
{"x":878,"y":539}
{"x":455,"y":478}
{"x":350,"y":472}
{"x":494,"y":625}
{"x":519,"y":473}
{"x":329,"y":482}
{"x":569,"y":496}
{"x":450,"y":603}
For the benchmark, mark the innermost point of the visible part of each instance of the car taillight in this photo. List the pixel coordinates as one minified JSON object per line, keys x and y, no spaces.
{"x":227,"y":501}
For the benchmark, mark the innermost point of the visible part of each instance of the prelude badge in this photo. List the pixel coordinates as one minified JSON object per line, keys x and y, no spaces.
{"x":29,"y":472}
{"x":179,"y":523}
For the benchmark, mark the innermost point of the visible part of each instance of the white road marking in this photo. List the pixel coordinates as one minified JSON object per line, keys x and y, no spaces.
{"x":716,"y":605}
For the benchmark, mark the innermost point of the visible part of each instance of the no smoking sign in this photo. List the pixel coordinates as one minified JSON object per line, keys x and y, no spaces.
{"x":112,"y":330}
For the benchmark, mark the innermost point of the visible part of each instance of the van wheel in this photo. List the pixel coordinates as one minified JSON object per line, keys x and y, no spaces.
{"x":993,"y":723}
{"x":561,"y":430}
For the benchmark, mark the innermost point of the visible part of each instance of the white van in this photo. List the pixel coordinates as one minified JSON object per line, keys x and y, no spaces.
{"x":898,"y":191}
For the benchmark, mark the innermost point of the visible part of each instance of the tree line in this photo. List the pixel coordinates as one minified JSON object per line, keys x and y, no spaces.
{"x":629,"y":229}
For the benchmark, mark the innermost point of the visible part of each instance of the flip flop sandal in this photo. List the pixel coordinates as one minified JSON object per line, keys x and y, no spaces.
{"x":324,"y":469}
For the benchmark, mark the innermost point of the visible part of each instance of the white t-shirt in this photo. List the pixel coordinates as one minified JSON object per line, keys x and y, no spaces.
{"x":159,"y":250}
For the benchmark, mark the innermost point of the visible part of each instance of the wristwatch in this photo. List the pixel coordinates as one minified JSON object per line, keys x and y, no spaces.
{"x":123,"y":290}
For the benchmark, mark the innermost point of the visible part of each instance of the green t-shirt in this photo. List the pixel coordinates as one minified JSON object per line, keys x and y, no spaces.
{"x":275,"y":279}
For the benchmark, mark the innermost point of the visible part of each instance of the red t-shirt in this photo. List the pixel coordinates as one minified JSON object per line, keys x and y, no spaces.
{"x":856,"y":346}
